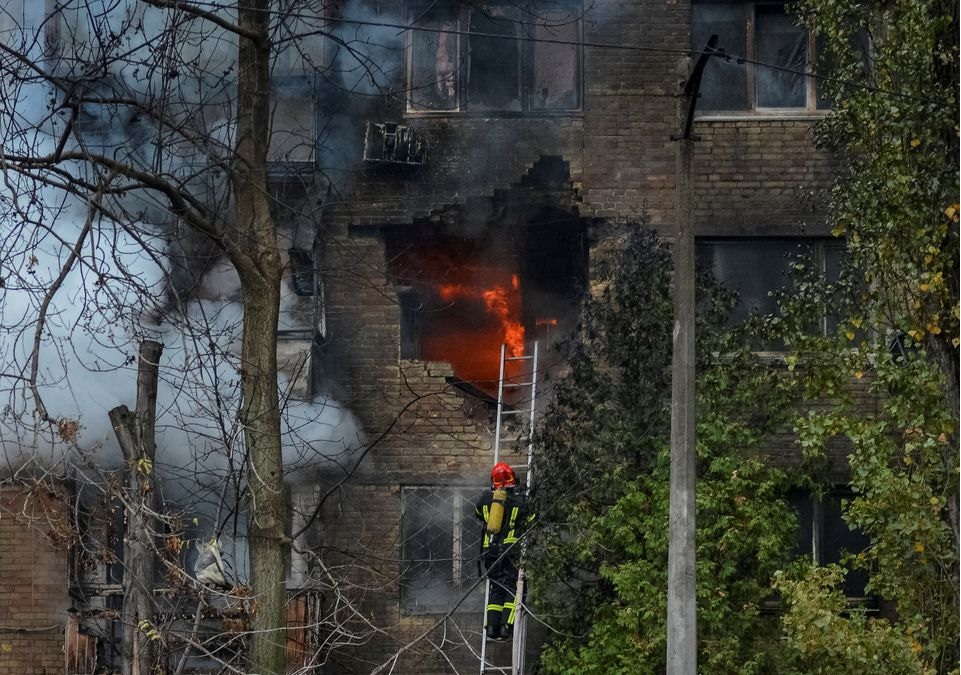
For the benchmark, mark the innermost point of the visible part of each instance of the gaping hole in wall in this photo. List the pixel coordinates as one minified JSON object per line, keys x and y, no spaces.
{"x":464,"y":291}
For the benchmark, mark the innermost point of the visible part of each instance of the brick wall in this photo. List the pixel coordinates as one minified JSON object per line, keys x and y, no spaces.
{"x":33,"y":583}
{"x":760,"y":176}
{"x":753,"y":176}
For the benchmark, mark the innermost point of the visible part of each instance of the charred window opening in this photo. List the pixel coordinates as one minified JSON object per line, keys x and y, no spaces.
{"x":778,"y":51}
{"x":462,"y":297}
{"x":302,"y":271}
{"x":493,"y":79}
{"x":494,"y":57}
{"x":440,"y":542}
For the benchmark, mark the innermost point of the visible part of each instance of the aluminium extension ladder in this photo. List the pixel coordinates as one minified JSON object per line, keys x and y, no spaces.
{"x":527,"y":386}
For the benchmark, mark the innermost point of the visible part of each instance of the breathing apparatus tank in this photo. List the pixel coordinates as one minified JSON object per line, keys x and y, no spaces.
{"x":496,"y":517}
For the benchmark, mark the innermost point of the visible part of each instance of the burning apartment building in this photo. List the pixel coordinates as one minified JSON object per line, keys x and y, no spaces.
{"x":445,"y":177}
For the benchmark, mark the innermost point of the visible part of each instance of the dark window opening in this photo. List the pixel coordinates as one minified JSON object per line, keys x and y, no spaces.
{"x":493,"y":80}
{"x":302,"y":271}
{"x":781,"y":43}
{"x":752,"y":267}
{"x":757,"y":268}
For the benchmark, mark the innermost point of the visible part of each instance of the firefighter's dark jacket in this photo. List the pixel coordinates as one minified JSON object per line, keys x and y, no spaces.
{"x":516,"y":518}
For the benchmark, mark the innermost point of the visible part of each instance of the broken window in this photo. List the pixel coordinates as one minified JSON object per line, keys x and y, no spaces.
{"x":493,"y":78}
{"x":302,"y":271}
{"x":769,"y":56}
{"x":494,"y":58}
{"x":440,"y":545}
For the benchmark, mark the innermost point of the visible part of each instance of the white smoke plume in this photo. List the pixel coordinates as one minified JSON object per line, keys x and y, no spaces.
{"x":119,"y":289}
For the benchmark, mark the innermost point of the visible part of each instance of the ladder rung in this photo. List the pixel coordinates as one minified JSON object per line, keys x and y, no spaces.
{"x":518,"y":384}
{"x":518,"y":358}
{"x":514,"y":412}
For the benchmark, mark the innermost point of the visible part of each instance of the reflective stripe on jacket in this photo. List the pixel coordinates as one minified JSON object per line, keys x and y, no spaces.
{"x":515,"y":517}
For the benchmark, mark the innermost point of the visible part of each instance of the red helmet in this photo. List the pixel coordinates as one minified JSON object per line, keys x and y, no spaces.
{"x":502,"y":475}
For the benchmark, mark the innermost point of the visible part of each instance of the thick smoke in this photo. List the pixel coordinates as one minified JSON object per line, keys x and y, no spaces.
{"x":127,"y":282}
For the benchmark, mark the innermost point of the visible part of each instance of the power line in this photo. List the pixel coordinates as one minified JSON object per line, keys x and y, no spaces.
{"x":719,"y":52}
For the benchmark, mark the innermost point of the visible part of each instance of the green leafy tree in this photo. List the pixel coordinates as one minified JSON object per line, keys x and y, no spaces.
{"x":896,"y":343}
{"x":599,"y":562}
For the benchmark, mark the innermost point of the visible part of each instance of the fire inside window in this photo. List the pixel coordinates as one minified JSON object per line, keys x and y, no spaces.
{"x":464,"y":294}
{"x":495,"y":58}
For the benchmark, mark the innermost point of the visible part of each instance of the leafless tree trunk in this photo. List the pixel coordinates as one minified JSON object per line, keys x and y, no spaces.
{"x":257,"y":261}
{"x":135,"y":433}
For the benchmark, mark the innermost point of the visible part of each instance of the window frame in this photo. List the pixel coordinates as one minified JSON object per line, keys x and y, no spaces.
{"x":291,"y":90}
{"x":819,"y":249}
{"x":813,"y":106}
{"x":527,"y":45}
{"x":820,"y":515}
{"x":465,"y":535}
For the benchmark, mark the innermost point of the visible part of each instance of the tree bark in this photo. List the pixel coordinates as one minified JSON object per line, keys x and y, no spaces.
{"x":135,"y":433}
{"x":254,"y":254}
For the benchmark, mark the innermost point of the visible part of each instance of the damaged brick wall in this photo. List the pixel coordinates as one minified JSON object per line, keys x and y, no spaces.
{"x":620,"y":160}
{"x":33,"y":582}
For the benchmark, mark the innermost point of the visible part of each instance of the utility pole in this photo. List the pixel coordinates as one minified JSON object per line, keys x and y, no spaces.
{"x":681,"y":587}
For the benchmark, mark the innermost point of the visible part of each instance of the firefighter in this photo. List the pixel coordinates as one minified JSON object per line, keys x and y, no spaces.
{"x":504,"y":512}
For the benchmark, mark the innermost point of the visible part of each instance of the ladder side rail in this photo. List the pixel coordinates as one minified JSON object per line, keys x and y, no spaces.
{"x":500,"y":405}
{"x":519,"y":647}
{"x":497,"y":448}
{"x":483,"y":649}
{"x":530,"y":431}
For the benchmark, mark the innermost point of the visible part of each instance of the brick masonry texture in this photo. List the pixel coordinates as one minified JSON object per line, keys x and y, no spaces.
{"x":753,"y":176}
{"x":33,"y":583}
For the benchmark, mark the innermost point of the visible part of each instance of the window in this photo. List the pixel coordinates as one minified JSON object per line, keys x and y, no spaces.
{"x":440,"y":548}
{"x":756,"y":267}
{"x":293,"y":126}
{"x":825,"y":537}
{"x":496,"y":57}
{"x":302,"y":271}
{"x":762,"y":33}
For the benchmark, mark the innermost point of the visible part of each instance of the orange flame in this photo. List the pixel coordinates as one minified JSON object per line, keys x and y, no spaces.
{"x":483,"y":311}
